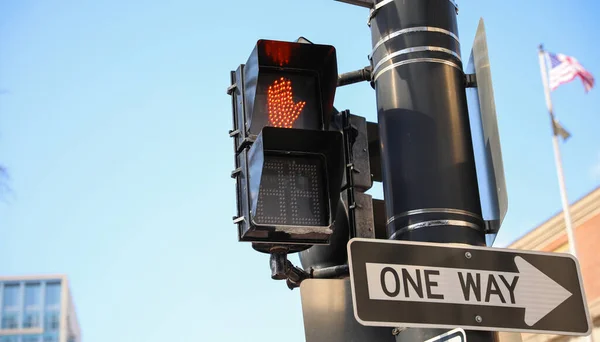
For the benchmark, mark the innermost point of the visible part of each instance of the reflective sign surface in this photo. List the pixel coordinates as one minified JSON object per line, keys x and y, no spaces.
{"x":486,"y":137}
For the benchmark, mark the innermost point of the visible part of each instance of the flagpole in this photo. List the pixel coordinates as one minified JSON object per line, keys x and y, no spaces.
{"x":557,"y":156}
{"x":543,"y":56}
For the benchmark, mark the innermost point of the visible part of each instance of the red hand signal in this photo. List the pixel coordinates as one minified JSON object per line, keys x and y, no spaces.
{"x":282,"y":109}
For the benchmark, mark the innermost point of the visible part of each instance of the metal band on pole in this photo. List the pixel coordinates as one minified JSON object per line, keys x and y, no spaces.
{"x":434,"y":211}
{"x":412,"y":30}
{"x":434,"y":223}
{"x":415,"y":60}
{"x":414,"y":49}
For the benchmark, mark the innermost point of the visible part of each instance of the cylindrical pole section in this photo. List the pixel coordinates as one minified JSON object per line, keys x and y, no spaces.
{"x":429,"y":178}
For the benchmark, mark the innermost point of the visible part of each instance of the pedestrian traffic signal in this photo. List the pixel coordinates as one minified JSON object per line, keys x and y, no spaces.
{"x":289,"y":164}
{"x":285,"y":84}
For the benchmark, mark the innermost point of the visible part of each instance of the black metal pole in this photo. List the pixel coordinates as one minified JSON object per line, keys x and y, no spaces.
{"x":429,"y":178}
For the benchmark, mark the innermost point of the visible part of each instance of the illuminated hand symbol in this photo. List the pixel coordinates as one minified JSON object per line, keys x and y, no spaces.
{"x":282,"y":109}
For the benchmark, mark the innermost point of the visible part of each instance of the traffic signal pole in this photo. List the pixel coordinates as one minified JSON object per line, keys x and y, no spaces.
{"x":429,"y":177}
{"x":302,"y":170}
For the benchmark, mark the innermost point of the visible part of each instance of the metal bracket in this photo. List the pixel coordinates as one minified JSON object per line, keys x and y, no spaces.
{"x":374,"y":10}
{"x":398,"y":330}
{"x":470,"y":81}
{"x":236,"y":172}
{"x":352,"y":168}
{"x":364,"y":74}
{"x":231,"y":89}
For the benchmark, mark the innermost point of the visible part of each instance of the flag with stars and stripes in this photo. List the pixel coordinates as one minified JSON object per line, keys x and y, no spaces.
{"x":564,"y":69}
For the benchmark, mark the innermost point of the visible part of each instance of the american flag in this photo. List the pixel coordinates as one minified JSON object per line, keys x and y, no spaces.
{"x":564,"y":69}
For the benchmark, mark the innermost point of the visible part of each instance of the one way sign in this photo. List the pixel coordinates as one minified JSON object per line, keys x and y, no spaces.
{"x":415,"y":284}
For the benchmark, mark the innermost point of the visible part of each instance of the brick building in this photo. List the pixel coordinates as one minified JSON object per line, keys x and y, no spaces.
{"x":551,"y":236}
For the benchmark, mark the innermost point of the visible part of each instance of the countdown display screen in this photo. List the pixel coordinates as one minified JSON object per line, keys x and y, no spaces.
{"x":287,"y":100}
{"x":293,"y":191}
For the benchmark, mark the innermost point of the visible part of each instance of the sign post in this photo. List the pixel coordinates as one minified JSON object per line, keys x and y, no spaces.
{"x":425,"y":285}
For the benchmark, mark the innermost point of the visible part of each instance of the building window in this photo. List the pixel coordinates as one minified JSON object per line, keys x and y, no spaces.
{"x":53,"y":296}
{"x":8,"y":338}
{"x":33,"y":296}
{"x":9,"y":320}
{"x":10,"y":306}
{"x":33,"y":305}
{"x":52,"y":321}
{"x":30,"y":338}
{"x":31,"y":319}
{"x":52,"y":304}
{"x":10,"y":299}
{"x":50,"y":338}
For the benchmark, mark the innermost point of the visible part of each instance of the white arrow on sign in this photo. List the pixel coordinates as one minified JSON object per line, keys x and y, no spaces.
{"x":530,"y":289}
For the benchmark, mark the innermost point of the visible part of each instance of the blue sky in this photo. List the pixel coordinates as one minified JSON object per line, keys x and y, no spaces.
{"x":113,"y":126}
